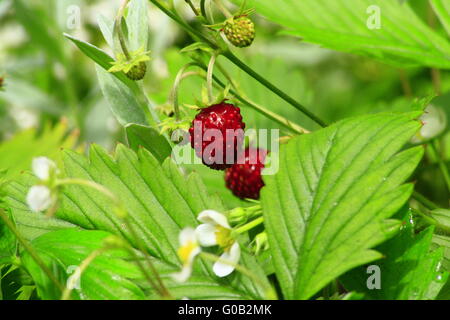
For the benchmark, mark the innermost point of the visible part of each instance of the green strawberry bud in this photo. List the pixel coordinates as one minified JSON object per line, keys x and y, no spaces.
{"x":240,"y":31}
{"x":137,"y":72}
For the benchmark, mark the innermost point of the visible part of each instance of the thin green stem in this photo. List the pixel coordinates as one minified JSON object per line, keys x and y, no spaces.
{"x":174,"y":92}
{"x":144,"y":270}
{"x":209,"y":77}
{"x":291,"y":126}
{"x":161,"y":287}
{"x":119,"y":31}
{"x":33,"y":254}
{"x":203,"y":10}
{"x":223,"y":9}
{"x":236,"y":61}
{"x":433,"y":148}
{"x":122,"y":213}
{"x":424,"y":201}
{"x":270,"y":292}
{"x":230,"y":56}
{"x":189,"y":2}
{"x":82,"y":267}
{"x":431,"y":221}
{"x":248,"y":226}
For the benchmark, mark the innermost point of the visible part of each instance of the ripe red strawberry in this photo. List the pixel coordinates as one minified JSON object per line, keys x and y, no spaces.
{"x":226,"y":119}
{"x":244,"y":178}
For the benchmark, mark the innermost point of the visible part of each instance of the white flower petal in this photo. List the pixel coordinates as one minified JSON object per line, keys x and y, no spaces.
{"x":213,"y":217}
{"x":187,"y":235}
{"x":42,"y":166}
{"x":206,"y":235}
{"x":183,"y":275}
{"x":232,"y":257}
{"x":39,"y":198}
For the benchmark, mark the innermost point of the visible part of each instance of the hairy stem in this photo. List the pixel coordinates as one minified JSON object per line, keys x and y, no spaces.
{"x":33,"y":254}
{"x":236,"y":61}
{"x":433,"y":148}
{"x":209,"y":77}
{"x":424,"y":201}
{"x":83,"y":266}
{"x":270,"y":292}
{"x":119,"y":31}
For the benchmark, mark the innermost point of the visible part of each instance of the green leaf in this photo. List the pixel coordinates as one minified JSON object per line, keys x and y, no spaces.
{"x":442,"y":9}
{"x":106,"y":278}
{"x":409,"y":270}
{"x":18,"y":152}
{"x":160,"y":202}
{"x":121,"y":99}
{"x":137,"y":23}
{"x":7,"y":245}
{"x":444,"y":242}
{"x":328,"y":203}
{"x":30,"y":224}
{"x":106,"y":26}
{"x":442,"y":216}
{"x":403,"y":39}
{"x":102,"y":59}
{"x":148,"y":138}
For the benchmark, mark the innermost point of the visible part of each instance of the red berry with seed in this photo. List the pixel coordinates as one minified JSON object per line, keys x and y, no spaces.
{"x":217,"y":133}
{"x":244,"y":178}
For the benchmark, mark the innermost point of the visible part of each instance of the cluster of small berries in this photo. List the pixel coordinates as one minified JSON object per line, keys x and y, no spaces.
{"x":243,"y":172}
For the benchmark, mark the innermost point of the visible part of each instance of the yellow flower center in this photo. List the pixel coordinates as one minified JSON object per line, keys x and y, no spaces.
{"x":223,"y":237}
{"x":185,"y":251}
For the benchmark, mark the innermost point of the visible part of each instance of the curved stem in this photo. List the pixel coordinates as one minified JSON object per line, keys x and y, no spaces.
{"x":235,"y":60}
{"x":83,"y":266}
{"x":33,"y":254}
{"x":270,"y":292}
{"x":248,"y":226}
{"x":203,"y":10}
{"x":273,"y":88}
{"x":223,"y":9}
{"x":174,"y":92}
{"x":119,"y":31}
{"x":293,"y":127}
{"x":194,"y":9}
{"x":209,"y":77}
{"x":442,"y":165}
{"x":122,"y":213}
{"x":424,"y":201}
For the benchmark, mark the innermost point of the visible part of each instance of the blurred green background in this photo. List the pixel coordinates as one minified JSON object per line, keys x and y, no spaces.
{"x":47,"y":78}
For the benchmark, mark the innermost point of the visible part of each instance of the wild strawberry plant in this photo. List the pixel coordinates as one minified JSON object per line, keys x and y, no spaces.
{"x":245,"y":150}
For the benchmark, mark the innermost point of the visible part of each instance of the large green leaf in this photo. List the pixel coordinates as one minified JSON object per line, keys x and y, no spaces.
{"x":148,"y":138}
{"x":409,"y":271}
{"x":122,"y":101}
{"x":106,"y":277}
{"x":403,"y":39}
{"x":137,"y":22}
{"x":330,"y":200}
{"x":160,"y":202}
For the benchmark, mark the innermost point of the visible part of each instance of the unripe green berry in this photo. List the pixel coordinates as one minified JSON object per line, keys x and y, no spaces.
{"x":137,"y":72}
{"x":240,"y":31}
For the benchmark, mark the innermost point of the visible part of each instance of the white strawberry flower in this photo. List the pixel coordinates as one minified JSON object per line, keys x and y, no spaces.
{"x":434,"y":123}
{"x":39,"y":198}
{"x":43,"y":168}
{"x":215,"y":230}
{"x":189,"y":249}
